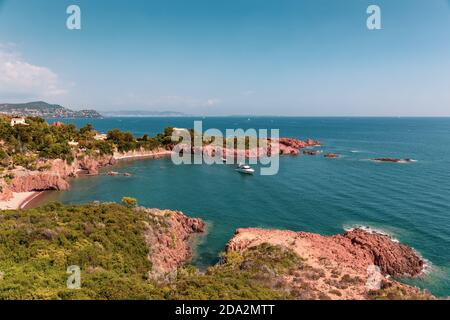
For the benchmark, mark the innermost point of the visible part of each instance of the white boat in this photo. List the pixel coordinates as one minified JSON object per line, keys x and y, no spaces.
{"x":242,"y":168}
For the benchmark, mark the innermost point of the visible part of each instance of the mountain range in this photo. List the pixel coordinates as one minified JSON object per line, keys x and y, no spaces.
{"x":45,"y":110}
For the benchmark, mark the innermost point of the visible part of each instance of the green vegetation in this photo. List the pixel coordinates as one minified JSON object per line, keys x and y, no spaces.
{"x":129,"y":202}
{"x":23,"y":145}
{"x":251,"y":275}
{"x":391,"y":291}
{"x":107,"y":242}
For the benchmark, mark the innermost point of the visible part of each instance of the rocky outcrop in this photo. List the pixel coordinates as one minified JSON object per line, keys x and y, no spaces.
{"x":58,"y":171}
{"x":90,"y":165}
{"x":298,"y":144}
{"x":5,"y":191}
{"x":393,"y":258}
{"x":38,"y":182}
{"x":169,"y":240}
{"x":311,"y":152}
{"x":55,"y":177}
{"x":282,"y":146}
{"x":289,"y":146}
{"x":331,"y":155}
{"x":337,"y":265}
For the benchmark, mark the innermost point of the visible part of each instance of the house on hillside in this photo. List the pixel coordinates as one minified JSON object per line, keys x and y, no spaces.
{"x":18,"y":121}
{"x":100,"y":136}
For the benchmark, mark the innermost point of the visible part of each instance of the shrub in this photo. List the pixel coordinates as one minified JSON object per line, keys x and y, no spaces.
{"x":129,"y":202}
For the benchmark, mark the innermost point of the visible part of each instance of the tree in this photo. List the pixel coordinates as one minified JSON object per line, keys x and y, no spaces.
{"x":129,"y":202}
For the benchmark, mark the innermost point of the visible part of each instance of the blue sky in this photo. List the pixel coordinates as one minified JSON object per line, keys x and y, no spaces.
{"x":217,"y":57}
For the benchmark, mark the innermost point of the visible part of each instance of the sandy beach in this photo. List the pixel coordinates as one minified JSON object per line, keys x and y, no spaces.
{"x":121,"y":156}
{"x":19,"y":200}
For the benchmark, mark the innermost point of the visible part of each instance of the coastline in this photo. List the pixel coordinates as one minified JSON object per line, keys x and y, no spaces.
{"x":124,"y":156}
{"x":19,"y":200}
{"x":56,"y":178}
{"x":24,"y":200}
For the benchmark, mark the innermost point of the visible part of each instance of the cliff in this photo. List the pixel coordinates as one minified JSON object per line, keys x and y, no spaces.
{"x":58,"y":171}
{"x":338,"y":267}
{"x":122,"y":252}
{"x":169,"y":246}
{"x":139,"y":253}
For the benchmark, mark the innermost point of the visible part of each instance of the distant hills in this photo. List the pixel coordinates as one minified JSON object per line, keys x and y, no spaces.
{"x":143,"y":113}
{"x":45,"y":110}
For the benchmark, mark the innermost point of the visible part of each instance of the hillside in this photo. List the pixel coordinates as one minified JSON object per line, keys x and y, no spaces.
{"x":45,"y":110}
{"x":127,"y":252}
{"x":123,"y":253}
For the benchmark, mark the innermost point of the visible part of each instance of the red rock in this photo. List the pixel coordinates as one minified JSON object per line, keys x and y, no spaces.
{"x":393,"y":258}
{"x":170,"y":248}
{"x":311,"y":152}
{"x":6,"y":192}
{"x":347,"y":256}
{"x":356,"y":249}
{"x":331,"y":155}
{"x":39,"y":182}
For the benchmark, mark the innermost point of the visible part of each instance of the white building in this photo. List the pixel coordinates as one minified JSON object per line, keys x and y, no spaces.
{"x":16,"y":121}
{"x":100,"y":136}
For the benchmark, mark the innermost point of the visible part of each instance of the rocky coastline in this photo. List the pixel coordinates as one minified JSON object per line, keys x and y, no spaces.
{"x":340,"y":265}
{"x":55,"y":177}
{"x":58,"y":172}
{"x":330,"y":267}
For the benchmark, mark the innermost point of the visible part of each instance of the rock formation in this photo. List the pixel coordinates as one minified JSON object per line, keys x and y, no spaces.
{"x":311,"y":152}
{"x":170,"y":244}
{"x":38,"y":181}
{"x":331,"y":155}
{"x":393,"y":258}
{"x":337,"y":265}
{"x":57,"y":172}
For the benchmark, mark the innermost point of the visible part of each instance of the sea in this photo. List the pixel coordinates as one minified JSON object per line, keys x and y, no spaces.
{"x":409,"y":201}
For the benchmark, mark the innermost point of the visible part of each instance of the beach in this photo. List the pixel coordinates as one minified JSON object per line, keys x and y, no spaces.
{"x":138,"y":155}
{"x":19,"y":200}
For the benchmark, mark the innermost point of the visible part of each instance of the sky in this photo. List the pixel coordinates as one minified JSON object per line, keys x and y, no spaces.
{"x":229,"y":57}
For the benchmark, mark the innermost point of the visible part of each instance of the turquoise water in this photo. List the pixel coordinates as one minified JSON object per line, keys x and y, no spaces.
{"x":310,"y":193}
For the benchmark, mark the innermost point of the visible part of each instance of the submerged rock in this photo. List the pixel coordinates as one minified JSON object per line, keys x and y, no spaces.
{"x":332,"y":155}
{"x":311,"y":152}
{"x":394,"y":160}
